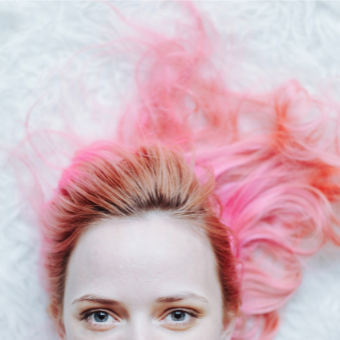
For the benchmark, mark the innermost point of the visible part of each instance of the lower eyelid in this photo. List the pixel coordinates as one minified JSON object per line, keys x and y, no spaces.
{"x":94,"y":326}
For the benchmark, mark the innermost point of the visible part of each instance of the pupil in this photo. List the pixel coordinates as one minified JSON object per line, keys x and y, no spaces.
{"x":178,"y":316}
{"x":100,"y":317}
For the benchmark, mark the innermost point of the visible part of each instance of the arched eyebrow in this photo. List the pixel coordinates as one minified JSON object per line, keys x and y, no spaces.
{"x":180,"y":297}
{"x":98,"y":299}
{"x":163,"y":299}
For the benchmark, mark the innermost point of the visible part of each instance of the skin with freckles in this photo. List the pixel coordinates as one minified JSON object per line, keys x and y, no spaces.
{"x":152,"y":278}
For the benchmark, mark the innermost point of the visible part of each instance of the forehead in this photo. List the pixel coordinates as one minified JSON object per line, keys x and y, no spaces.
{"x":157,"y":254}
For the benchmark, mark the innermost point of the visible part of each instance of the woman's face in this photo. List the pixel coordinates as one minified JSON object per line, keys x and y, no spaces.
{"x":147,"y":279}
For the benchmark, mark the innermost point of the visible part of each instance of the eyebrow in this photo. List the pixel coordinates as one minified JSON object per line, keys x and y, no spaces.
{"x":164,"y":299}
{"x":97,"y":299}
{"x":180,"y":297}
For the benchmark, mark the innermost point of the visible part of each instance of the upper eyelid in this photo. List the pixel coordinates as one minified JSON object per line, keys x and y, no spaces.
{"x":184,"y":309}
{"x":92,"y":311}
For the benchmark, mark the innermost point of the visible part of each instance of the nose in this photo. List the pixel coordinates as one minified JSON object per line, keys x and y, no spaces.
{"x":140,"y":329}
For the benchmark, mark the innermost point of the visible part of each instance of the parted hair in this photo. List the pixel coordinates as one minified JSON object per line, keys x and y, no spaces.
{"x":106,"y":182}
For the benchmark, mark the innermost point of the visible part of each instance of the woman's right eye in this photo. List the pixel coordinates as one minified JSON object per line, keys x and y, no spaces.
{"x":100,"y":319}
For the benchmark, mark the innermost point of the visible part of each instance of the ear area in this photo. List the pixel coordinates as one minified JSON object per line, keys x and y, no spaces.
{"x":228,"y":328}
{"x":60,"y":328}
{"x":56,"y":315}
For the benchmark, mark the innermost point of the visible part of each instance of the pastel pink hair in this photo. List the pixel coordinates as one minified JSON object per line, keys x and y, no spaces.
{"x":262,"y":186}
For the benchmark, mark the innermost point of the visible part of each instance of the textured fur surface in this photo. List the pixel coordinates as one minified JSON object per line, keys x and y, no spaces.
{"x":275,"y":41}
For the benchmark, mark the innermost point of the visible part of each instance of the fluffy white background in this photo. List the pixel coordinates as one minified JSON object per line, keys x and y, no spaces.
{"x":278,"y":41}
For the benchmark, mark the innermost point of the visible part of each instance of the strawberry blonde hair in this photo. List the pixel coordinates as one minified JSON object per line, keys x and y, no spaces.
{"x":106,"y":182}
{"x":264,"y":194}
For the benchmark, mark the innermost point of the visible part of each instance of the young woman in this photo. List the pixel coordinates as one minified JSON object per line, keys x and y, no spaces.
{"x":192,"y":222}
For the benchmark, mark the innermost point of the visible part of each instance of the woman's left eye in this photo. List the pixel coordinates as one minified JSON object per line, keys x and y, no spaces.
{"x":179,"y":317}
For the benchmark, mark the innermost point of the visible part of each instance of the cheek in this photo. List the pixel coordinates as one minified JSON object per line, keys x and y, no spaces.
{"x":212,"y":330}
{"x":208,"y":332}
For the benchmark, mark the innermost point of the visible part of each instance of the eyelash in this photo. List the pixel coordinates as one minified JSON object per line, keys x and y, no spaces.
{"x":89,"y":313}
{"x":192,"y":315}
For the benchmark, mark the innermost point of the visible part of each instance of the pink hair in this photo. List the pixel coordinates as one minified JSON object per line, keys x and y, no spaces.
{"x":269,"y":203}
{"x":107,"y":182}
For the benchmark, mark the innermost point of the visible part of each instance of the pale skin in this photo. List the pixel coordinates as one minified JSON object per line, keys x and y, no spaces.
{"x":152,"y":278}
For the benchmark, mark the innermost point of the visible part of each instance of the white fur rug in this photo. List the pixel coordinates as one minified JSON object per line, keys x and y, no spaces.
{"x":277,"y":41}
